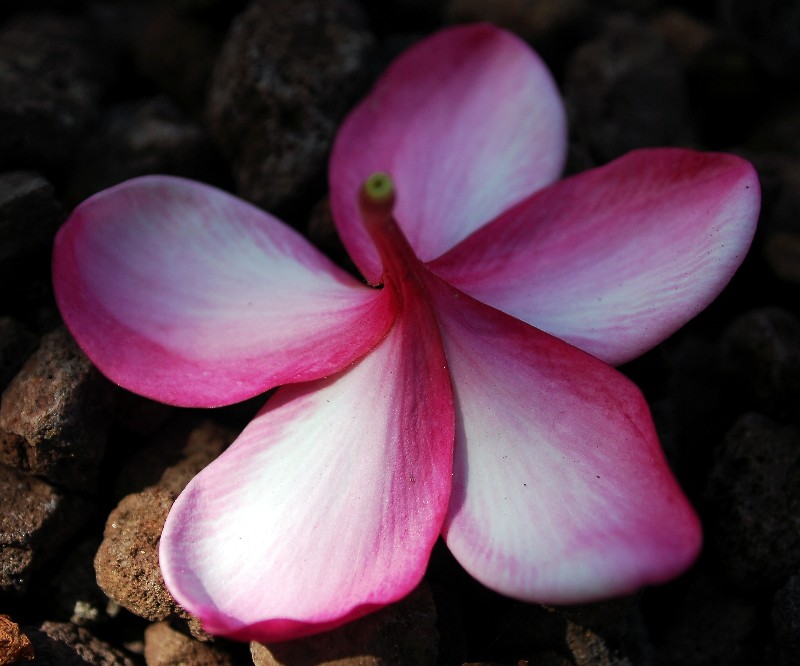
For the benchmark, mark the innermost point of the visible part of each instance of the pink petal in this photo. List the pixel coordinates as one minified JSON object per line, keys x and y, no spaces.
{"x":561,"y":493}
{"x":187,"y":295}
{"x":616,"y":259}
{"x":467,"y":123}
{"x":328,"y":504}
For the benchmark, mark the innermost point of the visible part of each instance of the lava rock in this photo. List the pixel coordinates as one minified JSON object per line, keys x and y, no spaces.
{"x":403,"y":633}
{"x":17,"y":343}
{"x":685,"y":34}
{"x":35,"y":522}
{"x":126,"y":563}
{"x":753,"y":495}
{"x":14,"y":645}
{"x":54,"y":416}
{"x":164,"y":646}
{"x":144,"y":137}
{"x":786,"y":620}
{"x":287,"y":73}
{"x":625,"y":90}
{"x":63,"y":644}
{"x":761,"y":352}
{"x":52,"y":74}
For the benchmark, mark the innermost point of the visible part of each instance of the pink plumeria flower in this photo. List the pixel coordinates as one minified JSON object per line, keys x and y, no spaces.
{"x":470,"y":397}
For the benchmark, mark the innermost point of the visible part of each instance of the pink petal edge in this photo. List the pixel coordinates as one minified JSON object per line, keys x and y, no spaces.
{"x":561,"y":493}
{"x":187,"y":295}
{"x":616,"y":259}
{"x":328,"y":504}
{"x":468,"y":122}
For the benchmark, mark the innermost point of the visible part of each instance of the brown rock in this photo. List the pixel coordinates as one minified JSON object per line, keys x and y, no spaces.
{"x":126,"y":563}
{"x":163,"y":646}
{"x":685,"y":34}
{"x":35,"y":520}
{"x":403,"y":633}
{"x":55,"y":414}
{"x":14,"y":645}
{"x":204,"y":444}
{"x":288,"y":71}
{"x":63,"y":644}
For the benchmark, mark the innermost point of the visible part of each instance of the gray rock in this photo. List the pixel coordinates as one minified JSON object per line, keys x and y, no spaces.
{"x":286,"y":75}
{"x":753,"y":495}
{"x":64,"y":644}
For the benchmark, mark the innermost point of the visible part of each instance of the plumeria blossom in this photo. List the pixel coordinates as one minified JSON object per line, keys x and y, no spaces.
{"x":465,"y":391}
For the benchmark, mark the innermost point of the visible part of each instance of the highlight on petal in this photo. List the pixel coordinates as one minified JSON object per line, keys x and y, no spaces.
{"x":561,"y":493}
{"x":328,"y":504}
{"x":616,"y":259}
{"x":188,"y":295}
{"x":467,"y":122}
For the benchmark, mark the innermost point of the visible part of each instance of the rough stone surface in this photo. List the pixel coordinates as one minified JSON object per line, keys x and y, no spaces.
{"x":51,"y":77}
{"x":754,"y":498}
{"x":35,"y":520}
{"x":64,"y":644}
{"x":286,"y":74}
{"x":17,"y":343}
{"x":164,"y":646}
{"x":126,"y":563}
{"x":761,"y":352}
{"x":403,"y":633}
{"x":151,"y":136}
{"x":786,"y":620}
{"x":29,"y":214}
{"x":54,"y":415}
{"x":15,"y":646}
{"x":625,"y":90}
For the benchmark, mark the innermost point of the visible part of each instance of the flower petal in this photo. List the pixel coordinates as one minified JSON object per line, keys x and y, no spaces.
{"x":187,"y":295}
{"x":616,"y":259}
{"x":561,"y":493}
{"x":328,"y":504}
{"x":467,"y":123}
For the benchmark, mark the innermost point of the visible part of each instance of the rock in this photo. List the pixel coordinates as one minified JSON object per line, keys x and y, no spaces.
{"x":29,"y":214}
{"x":288,"y":71}
{"x":52,"y":74}
{"x":35,"y":522}
{"x":553,"y":27}
{"x":17,"y":343}
{"x":685,"y":34}
{"x":15,"y":646}
{"x":761,"y":354}
{"x":625,"y":90}
{"x":786,"y":620}
{"x":55,"y":414}
{"x":163,"y":646}
{"x":63,"y":644}
{"x":144,"y":137}
{"x":707,"y":623}
{"x":126,"y":563}
{"x":753,"y":495}
{"x":403,"y":633}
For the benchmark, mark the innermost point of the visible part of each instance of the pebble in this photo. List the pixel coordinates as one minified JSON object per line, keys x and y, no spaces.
{"x":15,"y":646}
{"x":402,"y":633}
{"x":126,"y":563}
{"x":752,"y":495}
{"x":17,"y":343}
{"x":55,"y":414}
{"x":164,"y":646}
{"x":287,"y":73}
{"x":149,"y":136}
{"x":64,"y":644}
{"x":35,"y":522}
{"x":624,"y":90}
{"x":52,"y":75}
{"x":761,"y":354}
{"x":786,"y":621}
